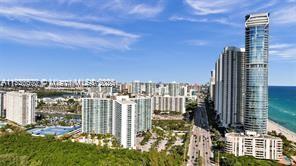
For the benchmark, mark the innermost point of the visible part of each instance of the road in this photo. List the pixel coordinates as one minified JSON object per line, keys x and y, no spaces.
{"x":199,"y":150}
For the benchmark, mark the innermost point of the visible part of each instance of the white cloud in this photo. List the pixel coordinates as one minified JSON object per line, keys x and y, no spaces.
{"x":280,"y":46}
{"x":103,"y":37}
{"x":283,"y":51}
{"x":17,"y":2}
{"x":196,"y":42}
{"x":148,"y":11}
{"x":130,"y":8}
{"x":180,"y":18}
{"x":226,"y":22}
{"x":99,"y":28}
{"x":285,"y":15}
{"x":69,"y":1}
{"x":110,"y":8}
{"x":60,"y":19}
{"x":86,"y":28}
{"x":266,"y":5}
{"x":145,"y":10}
{"x":8,"y":1}
{"x":64,"y":39}
{"x":30,"y":12}
{"x":223,"y":21}
{"x":206,"y":7}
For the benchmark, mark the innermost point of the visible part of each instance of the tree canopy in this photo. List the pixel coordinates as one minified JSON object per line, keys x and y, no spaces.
{"x":23,"y":149}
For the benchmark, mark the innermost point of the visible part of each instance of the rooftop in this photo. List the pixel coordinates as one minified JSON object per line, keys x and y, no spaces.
{"x":125,"y":102}
{"x":250,"y":134}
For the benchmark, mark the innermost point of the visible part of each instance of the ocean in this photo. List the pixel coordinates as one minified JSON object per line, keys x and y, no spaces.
{"x":282,"y":106}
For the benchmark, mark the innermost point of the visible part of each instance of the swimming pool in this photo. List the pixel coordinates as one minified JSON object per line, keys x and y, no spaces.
{"x":53,"y":130}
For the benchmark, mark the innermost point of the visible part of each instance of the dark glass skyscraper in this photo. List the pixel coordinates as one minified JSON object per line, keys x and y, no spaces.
{"x":256,"y":103}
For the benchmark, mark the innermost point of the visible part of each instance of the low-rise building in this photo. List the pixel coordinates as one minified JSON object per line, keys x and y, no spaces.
{"x":253,"y":144}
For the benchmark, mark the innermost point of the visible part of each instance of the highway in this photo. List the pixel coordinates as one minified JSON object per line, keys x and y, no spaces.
{"x":199,"y":151}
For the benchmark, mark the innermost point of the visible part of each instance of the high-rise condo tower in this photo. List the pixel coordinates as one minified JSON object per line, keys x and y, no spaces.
{"x":256,"y":104}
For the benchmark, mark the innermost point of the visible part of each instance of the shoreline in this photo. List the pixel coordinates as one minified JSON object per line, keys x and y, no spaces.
{"x":290,"y":135}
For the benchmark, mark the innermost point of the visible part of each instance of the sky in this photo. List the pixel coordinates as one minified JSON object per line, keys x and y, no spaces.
{"x":158,"y":40}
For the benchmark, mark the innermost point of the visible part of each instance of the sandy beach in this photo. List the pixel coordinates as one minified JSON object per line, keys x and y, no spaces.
{"x":271,"y":125}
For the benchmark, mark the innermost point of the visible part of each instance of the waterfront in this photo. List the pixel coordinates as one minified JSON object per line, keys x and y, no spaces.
{"x":282,"y":106}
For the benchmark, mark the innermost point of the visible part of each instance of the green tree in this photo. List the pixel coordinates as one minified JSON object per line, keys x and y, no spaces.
{"x":71,"y":101}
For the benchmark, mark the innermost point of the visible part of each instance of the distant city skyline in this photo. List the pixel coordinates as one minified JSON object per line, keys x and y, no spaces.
{"x":158,"y":40}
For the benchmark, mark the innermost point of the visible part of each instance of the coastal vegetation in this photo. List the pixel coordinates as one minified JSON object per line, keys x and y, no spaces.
{"x":190,"y":107}
{"x":289,"y":147}
{"x":167,"y":112}
{"x":229,"y":160}
{"x":22,"y":149}
{"x":216,"y":131}
{"x":169,"y":137}
{"x":213,"y":118}
{"x":170,"y":125}
{"x":147,"y":136}
{"x":50,"y":93}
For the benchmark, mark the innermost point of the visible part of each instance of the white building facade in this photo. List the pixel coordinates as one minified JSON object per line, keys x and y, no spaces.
{"x":121,"y":116}
{"x":136,"y":87}
{"x":20,"y":107}
{"x":97,"y":115}
{"x":174,"y":89}
{"x":150,"y":88}
{"x":124,"y":123}
{"x":253,"y":144}
{"x":143,"y":112}
{"x":169,"y":104}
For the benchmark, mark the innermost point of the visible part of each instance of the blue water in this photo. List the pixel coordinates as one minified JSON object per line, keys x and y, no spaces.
{"x":282,"y":106}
